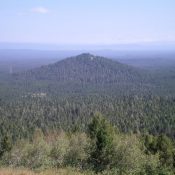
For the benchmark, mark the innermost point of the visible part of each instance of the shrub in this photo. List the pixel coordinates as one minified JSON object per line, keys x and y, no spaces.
{"x":59,"y":150}
{"x":33,"y":155}
{"x":78,"y":153}
{"x":5,"y":145}
{"x":130,"y":157}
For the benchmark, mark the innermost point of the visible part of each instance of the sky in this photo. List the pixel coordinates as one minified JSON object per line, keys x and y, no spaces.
{"x":87,"y":21}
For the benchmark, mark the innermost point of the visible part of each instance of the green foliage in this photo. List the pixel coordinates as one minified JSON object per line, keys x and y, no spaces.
{"x":165,"y":148}
{"x":102,"y":135}
{"x":37,"y":155}
{"x":162,"y":145}
{"x":117,"y":153}
{"x":129,"y":157}
{"x":59,"y":150}
{"x":5,"y":145}
{"x":33,"y":155}
{"x":78,"y":152}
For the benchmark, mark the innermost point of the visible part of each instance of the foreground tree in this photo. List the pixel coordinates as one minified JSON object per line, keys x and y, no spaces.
{"x":102,"y":134}
{"x":166,"y":150}
{"x":161,"y":145}
{"x":5,"y":145}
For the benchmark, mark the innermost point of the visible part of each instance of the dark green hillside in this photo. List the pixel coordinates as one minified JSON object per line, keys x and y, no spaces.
{"x":84,"y":74}
{"x":85,"y":68}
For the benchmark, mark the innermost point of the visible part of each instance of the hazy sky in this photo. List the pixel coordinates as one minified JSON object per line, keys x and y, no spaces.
{"x":87,"y":21}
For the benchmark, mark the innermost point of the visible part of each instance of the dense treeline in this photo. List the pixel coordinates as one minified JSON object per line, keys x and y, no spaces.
{"x":154,"y":115}
{"x":101,"y":149}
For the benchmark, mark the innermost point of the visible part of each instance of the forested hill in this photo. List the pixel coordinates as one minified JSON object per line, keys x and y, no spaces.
{"x":85,"y":68}
{"x":85,"y":72}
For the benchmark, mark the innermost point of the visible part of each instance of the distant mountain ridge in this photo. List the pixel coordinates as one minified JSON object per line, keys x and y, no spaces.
{"x":86,"y":71}
{"x":85,"y":68}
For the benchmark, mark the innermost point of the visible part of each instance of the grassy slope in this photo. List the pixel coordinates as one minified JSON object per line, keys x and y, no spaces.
{"x":8,"y":171}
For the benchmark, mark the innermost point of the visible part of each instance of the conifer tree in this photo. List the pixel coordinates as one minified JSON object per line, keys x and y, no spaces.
{"x":102,"y":135}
